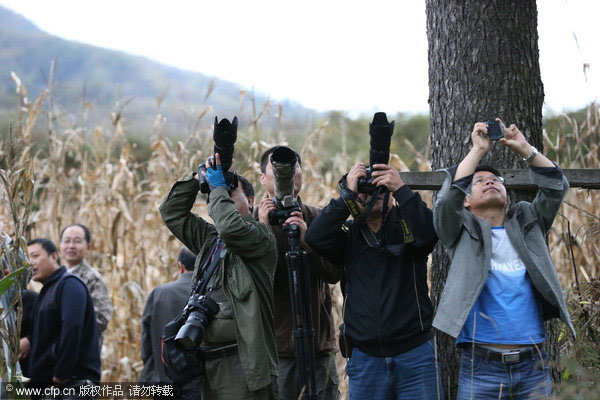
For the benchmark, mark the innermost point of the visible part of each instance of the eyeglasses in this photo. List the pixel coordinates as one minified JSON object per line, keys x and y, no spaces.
{"x":74,"y":240}
{"x":485,"y":179}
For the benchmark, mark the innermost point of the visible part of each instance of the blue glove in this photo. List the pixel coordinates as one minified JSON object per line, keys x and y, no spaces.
{"x":215,"y":177}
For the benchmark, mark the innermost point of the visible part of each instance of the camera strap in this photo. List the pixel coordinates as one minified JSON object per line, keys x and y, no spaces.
{"x":370,"y":237}
{"x":206,"y":272}
{"x":379,"y":242}
{"x":350,"y":198}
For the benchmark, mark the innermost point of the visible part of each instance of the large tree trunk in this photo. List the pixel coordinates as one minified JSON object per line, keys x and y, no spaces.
{"x":483,"y":64}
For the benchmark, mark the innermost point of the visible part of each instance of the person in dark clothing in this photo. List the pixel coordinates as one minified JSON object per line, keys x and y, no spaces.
{"x":64,"y":343}
{"x":388,"y":314}
{"x":164,"y":303}
{"x":322,"y":274}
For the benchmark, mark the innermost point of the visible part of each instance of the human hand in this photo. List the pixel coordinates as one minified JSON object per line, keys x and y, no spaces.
{"x":388,"y":176}
{"x":357,"y":171}
{"x":265,"y":206}
{"x":480,"y":139}
{"x":214,"y":173}
{"x":59,"y":382}
{"x":298,"y":219}
{"x":515,"y":140}
{"x":23,"y":348}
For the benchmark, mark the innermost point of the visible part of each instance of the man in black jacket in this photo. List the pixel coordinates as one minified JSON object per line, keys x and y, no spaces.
{"x":64,"y":344}
{"x":388,"y":313}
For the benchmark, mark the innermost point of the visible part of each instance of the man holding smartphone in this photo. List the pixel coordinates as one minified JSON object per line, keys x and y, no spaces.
{"x":502,"y":284}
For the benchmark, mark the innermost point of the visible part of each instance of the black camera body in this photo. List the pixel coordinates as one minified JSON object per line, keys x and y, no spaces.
{"x":381,"y":132}
{"x":283,"y":211}
{"x":365,"y":184}
{"x":198,"y":313}
{"x":494,"y":130}
{"x":224,"y":137}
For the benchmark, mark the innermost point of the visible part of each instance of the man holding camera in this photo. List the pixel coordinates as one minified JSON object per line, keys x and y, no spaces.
{"x":238,"y":343}
{"x":387,"y":318}
{"x":502,"y":283}
{"x":322,"y":273}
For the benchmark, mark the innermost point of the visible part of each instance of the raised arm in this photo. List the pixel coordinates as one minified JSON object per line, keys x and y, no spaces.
{"x":418,"y":217}
{"x":553,"y":186}
{"x":242,"y":235}
{"x":176,"y":212}
{"x":325,"y":236}
{"x":449,"y":204}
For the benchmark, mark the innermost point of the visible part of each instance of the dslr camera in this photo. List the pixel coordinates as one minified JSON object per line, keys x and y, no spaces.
{"x":381,"y":132}
{"x":224,"y":137}
{"x":283,"y":161}
{"x":199,"y":311}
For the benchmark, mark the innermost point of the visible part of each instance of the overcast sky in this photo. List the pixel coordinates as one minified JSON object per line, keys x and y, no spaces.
{"x":347,"y":55}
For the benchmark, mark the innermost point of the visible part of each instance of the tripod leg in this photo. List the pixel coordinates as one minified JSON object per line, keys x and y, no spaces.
{"x":302,"y":329}
{"x":309,"y":329}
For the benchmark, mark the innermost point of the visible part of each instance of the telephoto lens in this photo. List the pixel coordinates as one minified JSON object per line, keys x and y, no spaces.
{"x":224,"y":137}
{"x":283,"y":161}
{"x":381,"y":132}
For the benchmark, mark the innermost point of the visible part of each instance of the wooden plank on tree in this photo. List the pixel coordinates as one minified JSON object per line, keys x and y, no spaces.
{"x":514,"y":179}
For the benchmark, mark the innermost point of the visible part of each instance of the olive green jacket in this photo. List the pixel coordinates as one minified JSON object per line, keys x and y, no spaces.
{"x":248,"y":270}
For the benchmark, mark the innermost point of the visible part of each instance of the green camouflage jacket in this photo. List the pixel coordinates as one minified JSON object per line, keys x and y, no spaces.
{"x":248,"y":270}
{"x":98,"y":291}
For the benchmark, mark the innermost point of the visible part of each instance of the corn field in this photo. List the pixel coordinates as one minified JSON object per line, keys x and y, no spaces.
{"x":90,"y":175}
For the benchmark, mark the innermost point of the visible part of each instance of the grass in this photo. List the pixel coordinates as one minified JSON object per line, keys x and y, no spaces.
{"x":92,"y":175}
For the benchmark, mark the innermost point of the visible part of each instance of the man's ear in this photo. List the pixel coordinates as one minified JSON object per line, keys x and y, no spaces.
{"x":261,"y":178}
{"x":250,"y":201}
{"x":467,"y":202}
{"x":54,"y":257}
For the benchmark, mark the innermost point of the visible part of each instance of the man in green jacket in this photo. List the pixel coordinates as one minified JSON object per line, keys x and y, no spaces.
{"x":239,"y":342}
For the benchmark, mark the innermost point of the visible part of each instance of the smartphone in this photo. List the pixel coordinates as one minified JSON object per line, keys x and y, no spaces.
{"x":494,"y":130}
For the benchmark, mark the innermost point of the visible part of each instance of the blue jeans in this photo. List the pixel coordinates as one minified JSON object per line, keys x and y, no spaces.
{"x":481,"y":378}
{"x":411,"y":375}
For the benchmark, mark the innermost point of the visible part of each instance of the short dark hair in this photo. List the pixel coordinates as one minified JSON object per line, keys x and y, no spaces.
{"x":266,"y":157}
{"x":487,"y":168}
{"x":187,"y":258}
{"x":46,"y":244}
{"x":246,"y":186}
{"x":86,"y":232}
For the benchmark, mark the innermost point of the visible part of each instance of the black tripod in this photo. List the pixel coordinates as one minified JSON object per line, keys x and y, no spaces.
{"x":302,"y":329}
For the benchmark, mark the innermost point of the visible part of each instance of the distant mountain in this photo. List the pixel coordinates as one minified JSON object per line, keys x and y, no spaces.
{"x":101,"y":77}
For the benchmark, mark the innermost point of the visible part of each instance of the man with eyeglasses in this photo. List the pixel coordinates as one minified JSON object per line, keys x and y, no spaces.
{"x":502,"y":284}
{"x":74,"y":242}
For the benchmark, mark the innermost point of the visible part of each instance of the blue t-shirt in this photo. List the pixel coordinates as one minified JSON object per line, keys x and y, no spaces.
{"x":508,"y":310}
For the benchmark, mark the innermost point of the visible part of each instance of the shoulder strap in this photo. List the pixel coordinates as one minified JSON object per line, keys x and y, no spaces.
{"x":210,"y":267}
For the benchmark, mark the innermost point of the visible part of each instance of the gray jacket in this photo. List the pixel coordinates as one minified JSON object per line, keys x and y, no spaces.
{"x":468,"y":242}
{"x":164,"y":303}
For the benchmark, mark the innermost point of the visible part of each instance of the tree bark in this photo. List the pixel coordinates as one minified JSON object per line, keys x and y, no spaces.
{"x":483,"y":64}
